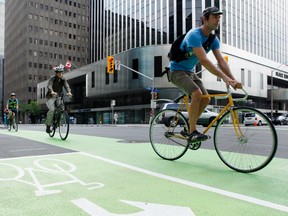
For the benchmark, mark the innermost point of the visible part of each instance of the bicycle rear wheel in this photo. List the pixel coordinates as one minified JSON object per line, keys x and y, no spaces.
{"x":64,"y":125}
{"x":165,"y":136}
{"x":243,"y":148}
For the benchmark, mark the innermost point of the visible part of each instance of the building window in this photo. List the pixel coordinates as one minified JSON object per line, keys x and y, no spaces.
{"x":243,"y":76}
{"x":157,"y":66}
{"x":249,"y":78}
{"x":261,"y":81}
{"x":135,"y":66}
{"x":93,"y":79}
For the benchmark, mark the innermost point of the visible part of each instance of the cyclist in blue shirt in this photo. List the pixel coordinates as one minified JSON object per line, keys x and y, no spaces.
{"x":12,"y":106}
{"x":182,"y":73}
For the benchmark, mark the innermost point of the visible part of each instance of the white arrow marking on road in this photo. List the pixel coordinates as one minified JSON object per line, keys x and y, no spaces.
{"x":149,"y":209}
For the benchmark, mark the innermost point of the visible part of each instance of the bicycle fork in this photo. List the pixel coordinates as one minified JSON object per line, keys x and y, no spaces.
{"x":236,"y":125}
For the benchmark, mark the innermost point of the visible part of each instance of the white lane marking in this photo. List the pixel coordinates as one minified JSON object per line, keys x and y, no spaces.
{"x":148,"y":209}
{"x":22,"y":150}
{"x":195,"y":185}
{"x":36,"y":156}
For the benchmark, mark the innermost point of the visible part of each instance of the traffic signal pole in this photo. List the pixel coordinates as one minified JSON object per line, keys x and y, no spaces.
{"x":152,"y":104}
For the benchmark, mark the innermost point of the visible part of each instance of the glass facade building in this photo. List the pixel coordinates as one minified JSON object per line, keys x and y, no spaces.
{"x":255,"y":26}
{"x":139,"y":33}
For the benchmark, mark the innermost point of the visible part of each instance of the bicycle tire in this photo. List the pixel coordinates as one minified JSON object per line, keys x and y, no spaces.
{"x":64,"y":125}
{"x":9,"y":125}
{"x":52,"y":133}
{"x":16,"y":122}
{"x":162,"y":134}
{"x":251,"y":151}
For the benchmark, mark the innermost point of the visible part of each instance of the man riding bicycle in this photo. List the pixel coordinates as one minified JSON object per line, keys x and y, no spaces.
{"x":182,"y":73}
{"x":55,"y":87}
{"x":12,"y":106}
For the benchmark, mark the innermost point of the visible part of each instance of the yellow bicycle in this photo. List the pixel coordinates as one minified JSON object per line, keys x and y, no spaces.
{"x":242,"y":148}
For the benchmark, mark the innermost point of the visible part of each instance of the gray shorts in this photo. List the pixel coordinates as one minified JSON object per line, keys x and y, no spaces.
{"x":187,"y":82}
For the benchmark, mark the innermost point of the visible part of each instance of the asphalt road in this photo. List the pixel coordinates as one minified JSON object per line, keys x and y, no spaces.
{"x":140,"y":134}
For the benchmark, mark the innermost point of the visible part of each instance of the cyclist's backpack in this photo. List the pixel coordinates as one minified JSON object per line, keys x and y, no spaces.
{"x":176,"y":54}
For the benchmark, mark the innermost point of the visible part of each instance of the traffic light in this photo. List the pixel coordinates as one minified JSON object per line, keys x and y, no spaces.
{"x":226,"y":58}
{"x":110,"y":64}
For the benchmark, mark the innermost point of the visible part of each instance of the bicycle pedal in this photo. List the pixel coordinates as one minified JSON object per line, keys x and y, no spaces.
{"x":194,"y":145}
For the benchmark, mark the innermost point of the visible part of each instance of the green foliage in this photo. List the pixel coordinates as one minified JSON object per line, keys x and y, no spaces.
{"x":33,"y":108}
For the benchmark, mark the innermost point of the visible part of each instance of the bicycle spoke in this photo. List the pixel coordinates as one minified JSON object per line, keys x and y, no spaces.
{"x":165,"y":136}
{"x":253,"y":150}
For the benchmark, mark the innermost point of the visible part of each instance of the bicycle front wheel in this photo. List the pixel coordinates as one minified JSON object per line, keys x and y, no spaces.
{"x":16,"y":122}
{"x":165,"y":136}
{"x":64,"y":125}
{"x":245,"y":139}
{"x":9,"y":125}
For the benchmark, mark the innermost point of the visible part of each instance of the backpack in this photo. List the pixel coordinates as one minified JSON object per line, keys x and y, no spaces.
{"x":176,"y":54}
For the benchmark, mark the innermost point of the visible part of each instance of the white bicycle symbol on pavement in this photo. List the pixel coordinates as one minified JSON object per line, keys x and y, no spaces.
{"x":50,"y":166}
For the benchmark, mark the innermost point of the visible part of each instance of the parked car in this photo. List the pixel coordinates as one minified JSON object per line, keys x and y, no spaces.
{"x":253,"y":119}
{"x":205,"y":118}
{"x":281,"y":120}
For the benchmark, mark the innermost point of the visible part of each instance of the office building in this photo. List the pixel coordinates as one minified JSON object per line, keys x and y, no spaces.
{"x":40,"y":35}
{"x":2,"y":30}
{"x":253,"y":34}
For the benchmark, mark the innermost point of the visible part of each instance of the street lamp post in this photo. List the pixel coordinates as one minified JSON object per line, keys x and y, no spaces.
{"x":272,"y":85}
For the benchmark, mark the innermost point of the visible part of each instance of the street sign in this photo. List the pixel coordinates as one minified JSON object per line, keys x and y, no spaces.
{"x":117,"y":65}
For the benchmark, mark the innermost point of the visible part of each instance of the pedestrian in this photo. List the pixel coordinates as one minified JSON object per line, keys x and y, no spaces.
{"x":116,"y":116}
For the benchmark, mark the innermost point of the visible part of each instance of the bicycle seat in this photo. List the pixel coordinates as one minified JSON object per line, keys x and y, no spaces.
{"x":176,"y":100}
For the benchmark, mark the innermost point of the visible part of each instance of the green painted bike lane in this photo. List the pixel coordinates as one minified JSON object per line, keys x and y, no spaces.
{"x":109,"y":177}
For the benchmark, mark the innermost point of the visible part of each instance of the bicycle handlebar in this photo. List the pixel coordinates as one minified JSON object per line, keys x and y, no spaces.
{"x":230,"y":90}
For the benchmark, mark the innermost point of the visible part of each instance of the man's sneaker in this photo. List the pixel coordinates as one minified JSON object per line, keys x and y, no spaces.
{"x":48,"y":130}
{"x":184,"y":133}
{"x":197,"y":136}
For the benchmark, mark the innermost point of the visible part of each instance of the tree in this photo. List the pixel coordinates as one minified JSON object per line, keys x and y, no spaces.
{"x":33,"y":108}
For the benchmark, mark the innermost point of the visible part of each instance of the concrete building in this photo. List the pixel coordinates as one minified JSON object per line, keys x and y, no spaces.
{"x":2,"y":30}
{"x":39,"y":35}
{"x":253,"y":34}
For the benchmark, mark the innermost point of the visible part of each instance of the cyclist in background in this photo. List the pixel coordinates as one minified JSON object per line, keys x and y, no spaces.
{"x":12,"y":106}
{"x":55,"y":87}
{"x":182,"y":73}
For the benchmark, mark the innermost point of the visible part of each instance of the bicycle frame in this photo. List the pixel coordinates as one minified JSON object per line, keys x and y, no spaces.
{"x":228,"y":95}
{"x":241,"y":149}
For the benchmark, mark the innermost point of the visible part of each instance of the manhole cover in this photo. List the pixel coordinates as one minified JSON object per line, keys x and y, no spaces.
{"x":133,"y":141}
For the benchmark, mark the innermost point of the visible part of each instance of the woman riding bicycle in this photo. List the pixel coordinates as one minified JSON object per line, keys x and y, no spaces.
{"x":55,"y":87}
{"x":182,"y":72}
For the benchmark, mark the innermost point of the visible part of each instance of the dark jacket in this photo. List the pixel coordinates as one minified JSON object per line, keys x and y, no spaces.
{"x":56,"y":84}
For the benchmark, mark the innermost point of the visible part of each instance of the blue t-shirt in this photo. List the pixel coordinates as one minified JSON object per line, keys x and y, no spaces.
{"x":194,"y":38}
